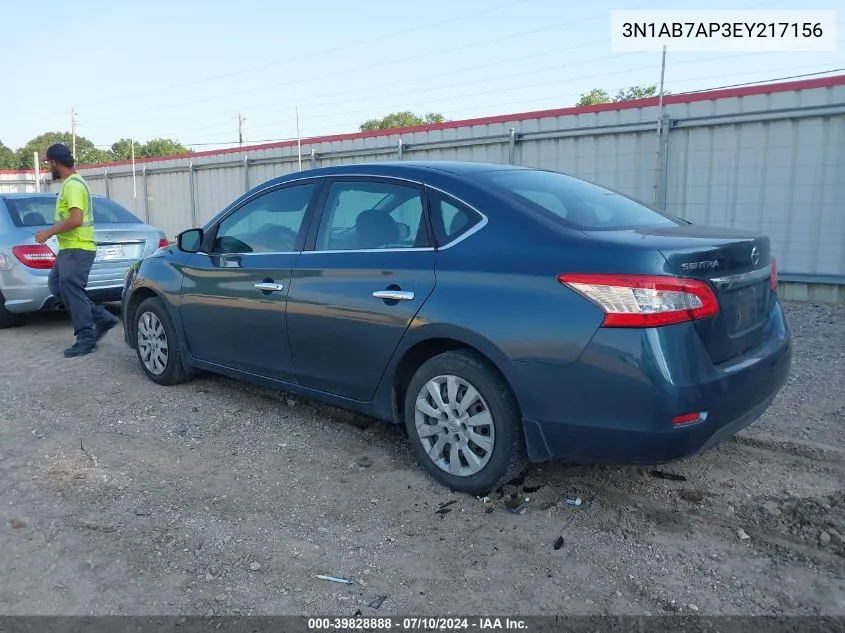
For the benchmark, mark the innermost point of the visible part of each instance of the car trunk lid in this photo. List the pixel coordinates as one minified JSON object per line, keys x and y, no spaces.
{"x":737,"y":264}
{"x":121,"y":243}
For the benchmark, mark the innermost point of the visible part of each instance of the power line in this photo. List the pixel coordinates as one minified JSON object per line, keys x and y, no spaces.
{"x":415,"y":79}
{"x":766,"y":81}
{"x":557,"y":97}
{"x":406,"y":59}
{"x":484,"y":93}
{"x":311,"y":54}
{"x":387,"y":62}
{"x":498,"y":77}
{"x":326,"y":132}
{"x":345,"y":71}
{"x":333,"y":102}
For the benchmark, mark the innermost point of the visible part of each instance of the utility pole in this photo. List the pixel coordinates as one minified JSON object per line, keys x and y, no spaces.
{"x":660,"y":158}
{"x":298,"y":140}
{"x":240,"y":130}
{"x":73,"y":130}
{"x":134,"y":181}
{"x":660,"y":97}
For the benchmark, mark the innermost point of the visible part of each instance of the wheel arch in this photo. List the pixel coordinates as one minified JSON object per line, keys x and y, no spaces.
{"x":138,"y":296}
{"x":420,"y":351}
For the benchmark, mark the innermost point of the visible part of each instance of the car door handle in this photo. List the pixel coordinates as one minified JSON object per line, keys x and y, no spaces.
{"x":266,"y":286}
{"x":394,"y":295}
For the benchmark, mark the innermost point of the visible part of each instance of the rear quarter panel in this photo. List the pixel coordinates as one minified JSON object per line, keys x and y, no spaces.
{"x":501,"y":285}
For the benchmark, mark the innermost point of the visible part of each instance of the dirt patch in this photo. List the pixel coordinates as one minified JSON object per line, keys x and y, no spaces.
{"x":121,"y":497}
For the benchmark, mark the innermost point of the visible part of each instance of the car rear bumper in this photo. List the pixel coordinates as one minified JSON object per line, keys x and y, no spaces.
{"x":617,"y":401}
{"x":26,"y":290}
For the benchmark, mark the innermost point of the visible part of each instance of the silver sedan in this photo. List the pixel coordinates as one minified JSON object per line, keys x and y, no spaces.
{"x":122,"y":239}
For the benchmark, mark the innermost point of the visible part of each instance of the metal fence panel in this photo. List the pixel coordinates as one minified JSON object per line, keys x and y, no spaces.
{"x":169,"y":201}
{"x":213,"y":187}
{"x":263,"y":172}
{"x":16,"y":183}
{"x":122,"y":191}
{"x":783,"y":178}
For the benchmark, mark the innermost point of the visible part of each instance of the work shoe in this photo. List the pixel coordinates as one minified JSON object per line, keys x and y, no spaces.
{"x":101,"y":331}
{"x":79,"y":349}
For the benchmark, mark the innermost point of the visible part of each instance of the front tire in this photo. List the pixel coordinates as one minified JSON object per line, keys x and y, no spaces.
{"x":8,"y":319}
{"x":464,"y":424}
{"x":157,"y":344}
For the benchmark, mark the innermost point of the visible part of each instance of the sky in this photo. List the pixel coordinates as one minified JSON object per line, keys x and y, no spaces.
{"x":185,"y":70}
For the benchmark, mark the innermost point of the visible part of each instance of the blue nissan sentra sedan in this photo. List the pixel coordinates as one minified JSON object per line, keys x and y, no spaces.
{"x":503,"y":315}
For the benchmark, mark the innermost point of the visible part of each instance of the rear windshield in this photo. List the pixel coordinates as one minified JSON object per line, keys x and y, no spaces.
{"x":41,"y":211}
{"x":575,"y":202}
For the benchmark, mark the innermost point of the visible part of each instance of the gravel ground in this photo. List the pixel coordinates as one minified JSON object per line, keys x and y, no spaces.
{"x":121,"y":497}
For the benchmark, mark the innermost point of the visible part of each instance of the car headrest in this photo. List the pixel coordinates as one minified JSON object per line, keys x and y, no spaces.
{"x":582,"y":214}
{"x":457,"y":224}
{"x":375,"y":228}
{"x":33,"y":219}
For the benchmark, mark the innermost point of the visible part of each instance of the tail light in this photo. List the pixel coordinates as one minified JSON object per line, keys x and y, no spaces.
{"x":35,"y":256}
{"x":163,"y":243}
{"x":774,"y":279}
{"x":644,"y":300}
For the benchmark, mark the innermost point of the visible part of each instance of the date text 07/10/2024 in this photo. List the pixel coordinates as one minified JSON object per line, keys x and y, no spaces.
{"x":416,"y":624}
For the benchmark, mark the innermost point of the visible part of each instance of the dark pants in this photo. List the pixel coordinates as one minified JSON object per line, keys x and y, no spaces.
{"x":68,"y":280}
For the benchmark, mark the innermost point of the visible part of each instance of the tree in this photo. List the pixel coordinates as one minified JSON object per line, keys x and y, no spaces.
{"x":594,"y":97}
{"x":161,"y":147}
{"x":636,"y":92}
{"x":401,"y":120}
{"x":86,"y":153}
{"x":122,"y":149}
{"x":8,"y":158}
{"x":91,"y":155}
{"x":597,"y":95}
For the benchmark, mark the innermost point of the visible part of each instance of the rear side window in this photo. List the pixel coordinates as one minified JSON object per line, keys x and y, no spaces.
{"x":109,"y":212}
{"x":41,"y":211}
{"x":449,"y":218}
{"x":575,"y":202}
{"x":370,"y":214}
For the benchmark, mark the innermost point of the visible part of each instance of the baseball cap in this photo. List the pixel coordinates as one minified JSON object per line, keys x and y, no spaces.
{"x":60,"y":153}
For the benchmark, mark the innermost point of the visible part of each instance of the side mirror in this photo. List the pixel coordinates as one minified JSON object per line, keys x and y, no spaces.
{"x":190,"y":241}
{"x":404,"y":231}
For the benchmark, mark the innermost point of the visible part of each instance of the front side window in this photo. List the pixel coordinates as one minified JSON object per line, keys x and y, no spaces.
{"x":270,"y":223}
{"x":575,"y":202}
{"x":372,"y":215}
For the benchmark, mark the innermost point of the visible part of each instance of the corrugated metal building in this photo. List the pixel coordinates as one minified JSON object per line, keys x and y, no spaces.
{"x":768,"y":158}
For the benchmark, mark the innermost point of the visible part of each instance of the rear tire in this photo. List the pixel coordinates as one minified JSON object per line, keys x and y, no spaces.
{"x":8,"y":319}
{"x":157,"y":344}
{"x":464,"y":423}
